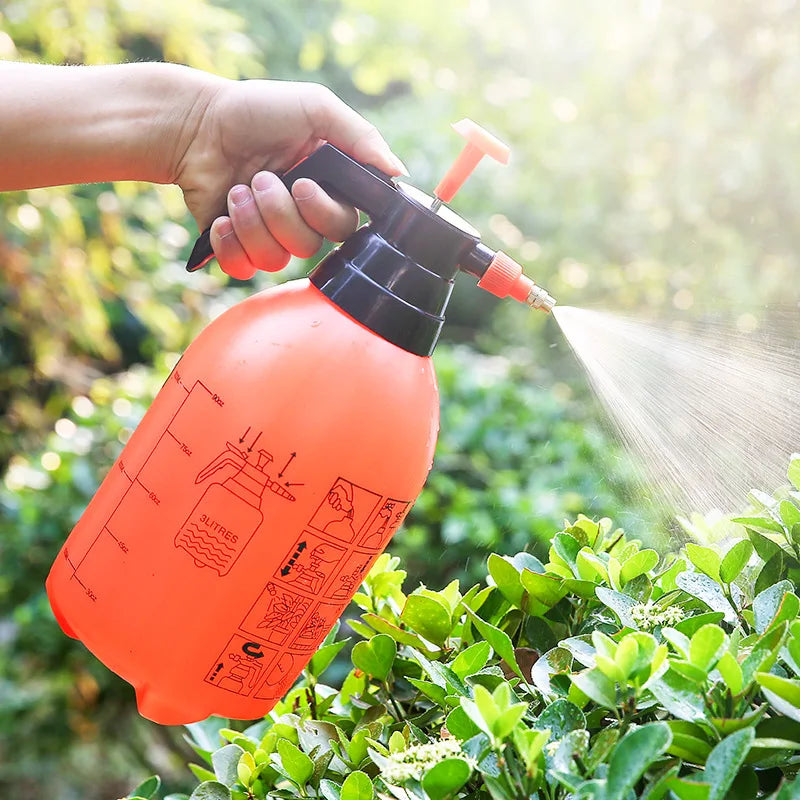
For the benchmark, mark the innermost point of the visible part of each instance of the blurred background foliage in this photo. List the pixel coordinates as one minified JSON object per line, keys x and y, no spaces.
{"x":654,"y":170}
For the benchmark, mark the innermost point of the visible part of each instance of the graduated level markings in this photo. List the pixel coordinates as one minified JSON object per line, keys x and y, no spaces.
{"x":134,"y":479}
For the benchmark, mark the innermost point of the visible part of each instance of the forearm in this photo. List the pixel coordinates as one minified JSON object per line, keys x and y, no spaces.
{"x":64,"y":125}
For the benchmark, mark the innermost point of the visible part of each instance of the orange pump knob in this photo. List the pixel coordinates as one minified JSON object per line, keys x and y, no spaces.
{"x":480,"y":143}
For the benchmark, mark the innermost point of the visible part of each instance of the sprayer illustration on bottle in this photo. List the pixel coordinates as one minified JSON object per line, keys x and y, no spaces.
{"x":229,"y":512}
{"x":201,"y":572}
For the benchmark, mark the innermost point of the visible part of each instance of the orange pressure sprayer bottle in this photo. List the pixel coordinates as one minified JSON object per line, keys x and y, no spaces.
{"x":279,"y":457}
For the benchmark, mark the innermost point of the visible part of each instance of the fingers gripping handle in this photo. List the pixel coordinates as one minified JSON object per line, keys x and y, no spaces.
{"x":343,"y":178}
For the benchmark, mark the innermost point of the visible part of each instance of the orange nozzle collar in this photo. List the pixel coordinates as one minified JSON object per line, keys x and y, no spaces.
{"x":504,"y":278}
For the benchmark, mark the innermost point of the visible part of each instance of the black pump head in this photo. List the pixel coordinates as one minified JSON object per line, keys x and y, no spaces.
{"x":395,"y":274}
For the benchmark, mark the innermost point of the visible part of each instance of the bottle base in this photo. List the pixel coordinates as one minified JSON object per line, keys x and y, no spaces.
{"x":157,"y":709}
{"x":61,"y":619}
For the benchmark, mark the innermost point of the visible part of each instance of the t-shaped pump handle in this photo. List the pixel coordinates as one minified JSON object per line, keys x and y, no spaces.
{"x":480,"y":143}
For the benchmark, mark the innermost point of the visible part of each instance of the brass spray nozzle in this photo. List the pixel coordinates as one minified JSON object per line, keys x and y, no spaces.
{"x":504,"y":278}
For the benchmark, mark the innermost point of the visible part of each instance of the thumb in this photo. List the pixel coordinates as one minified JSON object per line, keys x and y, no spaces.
{"x":334,"y":121}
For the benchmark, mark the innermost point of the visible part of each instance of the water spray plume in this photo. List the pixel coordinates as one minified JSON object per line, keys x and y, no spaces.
{"x":709,"y":414}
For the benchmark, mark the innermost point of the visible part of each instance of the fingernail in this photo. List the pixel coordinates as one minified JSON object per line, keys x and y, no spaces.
{"x":223,"y":227}
{"x":263,"y":181}
{"x":240,"y":195}
{"x":304,"y":189}
{"x":399,"y":165}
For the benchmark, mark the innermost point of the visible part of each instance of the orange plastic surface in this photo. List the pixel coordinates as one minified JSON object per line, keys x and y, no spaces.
{"x":504,"y":278}
{"x":480,"y":143}
{"x":272,"y":469}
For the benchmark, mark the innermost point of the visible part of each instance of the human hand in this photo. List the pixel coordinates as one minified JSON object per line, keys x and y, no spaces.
{"x":239,"y":135}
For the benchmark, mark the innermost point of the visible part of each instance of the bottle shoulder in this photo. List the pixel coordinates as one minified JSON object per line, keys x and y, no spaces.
{"x":295,"y":317}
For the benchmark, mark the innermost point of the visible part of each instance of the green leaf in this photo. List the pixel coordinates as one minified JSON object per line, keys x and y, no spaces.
{"x":298,"y":766}
{"x":330,"y":790}
{"x":688,"y":790}
{"x":499,"y":641}
{"x":507,"y":721}
{"x":471,"y":660}
{"x":731,"y":672}
{"x":525,"y":560}
{"x":557,"y":660}
{"x":735,"y":560}
{"x":323,"y":658}
{"x":357,"y":786}
{"x":507,"y":578}
{"x":627,"y":656}
{"x":602,"y":744}
{"x":688,"y":742}
{"x":620,"y":604}
{"x":692,"y":674}
{"x":581,"y":649}
{"x":708,"y":591}
{"x":634,"y":754}
{"x":547,"y":589}
{"x":659,"y":788}
{"x":790,"y":513}
{"x":529,"y":744}
{"x":590,"y":567}
{"x":777,"y":568}
{"x":638,"y":564}
{"x":596,"y":686}
{"x":727,"y":725}
{"x":707,"y":646}
{"x":461,"y":725}
{"x":705,"y":559}
{"x":428,"y":617}
{"x":793,"y":473}
{"x":400,"y":635}
{"x":787,"y":610}
{"x":584,"y":589}
{"x":147,"y":788}
{"x":201,"y":773}
{"x":431,"y":690}
{"x":767,"y":523}
{"x":567,"y":547}
{"x":690,"y":625}
{"x":789,"y":790}
{"x":211,"y":790}
{"x":560,"y":717}
{"x":724,"y":761}
{"x":764,"y":546}
{"x":446,"y":778}
{"x":376,"y":656}
{"x":766,"y":603}
{"x":679,"y":697}
{"x":679,"y":641}
{"x":442,"y":675}
{"x":783,"y":694}
{"x":225,"y":761}
{"x":204,"y":736}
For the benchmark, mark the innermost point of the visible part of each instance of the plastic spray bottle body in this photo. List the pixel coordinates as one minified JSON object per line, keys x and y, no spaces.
{"x":276,"y":462}
{"x":209,"y":596}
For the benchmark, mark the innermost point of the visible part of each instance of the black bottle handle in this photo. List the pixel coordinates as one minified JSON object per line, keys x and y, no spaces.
{"x":342,"y":177}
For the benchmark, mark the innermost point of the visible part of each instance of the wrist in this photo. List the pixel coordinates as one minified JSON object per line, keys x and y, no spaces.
{"x":186,"y":96}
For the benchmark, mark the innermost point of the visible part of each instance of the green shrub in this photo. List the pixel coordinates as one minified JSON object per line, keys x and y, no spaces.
{"x":605,"y":673}
{"x":53,"y":692}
